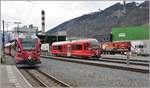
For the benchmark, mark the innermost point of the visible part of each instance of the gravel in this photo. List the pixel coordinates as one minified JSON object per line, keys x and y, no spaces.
{"x":81,"y":75}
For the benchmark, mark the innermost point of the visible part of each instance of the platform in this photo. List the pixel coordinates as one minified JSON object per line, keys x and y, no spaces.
{"x":10,"y":77}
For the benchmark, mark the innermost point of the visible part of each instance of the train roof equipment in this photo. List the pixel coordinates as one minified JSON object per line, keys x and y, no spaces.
{"x":66,"y":42}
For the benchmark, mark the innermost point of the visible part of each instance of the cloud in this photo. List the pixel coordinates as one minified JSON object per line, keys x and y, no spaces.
{"x":57,"y":12}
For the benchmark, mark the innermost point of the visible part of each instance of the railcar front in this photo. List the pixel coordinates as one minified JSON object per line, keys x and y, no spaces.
{"x":28,"y":51}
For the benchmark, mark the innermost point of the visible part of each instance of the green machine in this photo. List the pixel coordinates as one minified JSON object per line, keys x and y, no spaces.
{"x":130,"y":33}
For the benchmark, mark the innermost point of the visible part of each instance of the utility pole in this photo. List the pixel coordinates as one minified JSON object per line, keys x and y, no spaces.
{"x":124,"y":6}
{"x":57,"y":37}
{"x":3,"y":42}
{"x":99,"y":10}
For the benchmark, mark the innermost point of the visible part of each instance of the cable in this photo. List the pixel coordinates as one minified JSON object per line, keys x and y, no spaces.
{"x":29,"y":11}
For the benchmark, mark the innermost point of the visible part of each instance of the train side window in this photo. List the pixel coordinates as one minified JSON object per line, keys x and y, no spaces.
{"x":57,"y":47}
{"x":73,"y":47}
{"x":141,"y":46}
{"x":77,"y":47}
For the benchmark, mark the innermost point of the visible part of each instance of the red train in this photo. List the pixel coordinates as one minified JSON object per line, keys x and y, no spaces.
{"x":25,"y":49}
{"x":77,"y":48}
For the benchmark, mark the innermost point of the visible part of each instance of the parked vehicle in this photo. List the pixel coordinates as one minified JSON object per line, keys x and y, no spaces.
{"x":116,"y":47}
{"x":139,"y":48}
{"x":77,"y":48}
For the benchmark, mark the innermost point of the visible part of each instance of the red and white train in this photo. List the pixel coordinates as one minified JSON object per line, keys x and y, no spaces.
{"x":25,"y":49}
{"x":77,"y":48}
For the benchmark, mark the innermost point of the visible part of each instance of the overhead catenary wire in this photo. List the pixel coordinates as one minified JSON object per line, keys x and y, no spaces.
{"x":11,"y":19}
{"x":29,"y":12}
{"x":19,"y":15}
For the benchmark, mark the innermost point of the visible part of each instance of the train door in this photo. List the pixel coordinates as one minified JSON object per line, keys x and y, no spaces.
{"x":68,"y":50}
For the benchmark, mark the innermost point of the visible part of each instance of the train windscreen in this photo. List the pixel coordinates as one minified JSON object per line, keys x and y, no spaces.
{"x":28,"y":40}
{"x":94,"y":44}
{"x":28,"y":44}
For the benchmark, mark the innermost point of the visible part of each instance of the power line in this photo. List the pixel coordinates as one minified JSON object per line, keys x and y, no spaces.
{"x":29,"y":11}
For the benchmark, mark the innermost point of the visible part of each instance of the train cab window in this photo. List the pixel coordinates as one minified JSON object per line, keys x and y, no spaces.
{"x":54,"y":47}
{"x":94,"y":43}
{"x":86,"y":45}
{"x":59,"y":47}
{"x":17,"y":48}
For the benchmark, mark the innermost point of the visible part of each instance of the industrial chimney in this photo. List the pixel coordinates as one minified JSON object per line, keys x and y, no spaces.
{"x":43,"y":20}
{"x":124,"y":6}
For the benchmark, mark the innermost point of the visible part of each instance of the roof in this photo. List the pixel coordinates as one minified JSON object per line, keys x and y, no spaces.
{"x":66,"y":42}
{"x":63,"y":42}
{"x":8,"y":44}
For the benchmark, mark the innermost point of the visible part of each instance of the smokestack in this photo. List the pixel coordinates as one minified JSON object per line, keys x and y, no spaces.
{"x":43,"y":20}
{"x":124,"y":6}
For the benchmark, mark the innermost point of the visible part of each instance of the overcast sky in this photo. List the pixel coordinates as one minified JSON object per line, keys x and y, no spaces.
{"x":56,"y":12}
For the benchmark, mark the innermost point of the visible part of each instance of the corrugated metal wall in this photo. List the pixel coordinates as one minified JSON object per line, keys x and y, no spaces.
{"x":130,"y":33}
{"x":103,"y":38}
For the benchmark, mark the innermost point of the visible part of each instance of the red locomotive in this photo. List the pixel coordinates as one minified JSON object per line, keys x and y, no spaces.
{"x":25,"y":49}
{"x":116,"y":47}
{"x":78,"y":48}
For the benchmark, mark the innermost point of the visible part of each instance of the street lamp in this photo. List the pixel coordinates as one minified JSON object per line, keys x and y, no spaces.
{"x":17,"y":24}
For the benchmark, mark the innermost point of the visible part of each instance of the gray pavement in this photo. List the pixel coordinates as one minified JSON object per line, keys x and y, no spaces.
{"x":10,"y":77}
{"x":79,"y":75}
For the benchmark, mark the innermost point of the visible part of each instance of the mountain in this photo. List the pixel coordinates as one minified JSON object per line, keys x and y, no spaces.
{"x":102,"y":22}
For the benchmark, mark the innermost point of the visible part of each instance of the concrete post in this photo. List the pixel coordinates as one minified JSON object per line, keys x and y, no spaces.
{"x":128,"y":57}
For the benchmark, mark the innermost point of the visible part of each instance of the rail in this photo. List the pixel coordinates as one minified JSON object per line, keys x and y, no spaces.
{"x":44,"y":79}
{"x":134,"y":68}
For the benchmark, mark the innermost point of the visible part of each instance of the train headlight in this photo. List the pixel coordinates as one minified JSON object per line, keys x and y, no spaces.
{"x":29,"y":57}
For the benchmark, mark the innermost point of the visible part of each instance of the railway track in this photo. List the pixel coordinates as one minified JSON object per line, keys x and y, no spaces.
{"x":136,"y":60}
{"x":124,"y":61}
{"x":39,"y":78}
{"x":120,"y":65}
